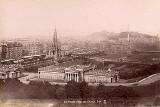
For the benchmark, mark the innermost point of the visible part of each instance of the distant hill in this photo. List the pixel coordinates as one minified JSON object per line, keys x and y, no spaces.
{"x":100,"y":36}
{"x":104,"y":35}
{"x":133,"y":34}
{"x":94,"y":37}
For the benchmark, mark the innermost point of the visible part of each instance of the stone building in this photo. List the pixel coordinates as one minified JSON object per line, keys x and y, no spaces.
{"x":10,"y":70}
{"x":78,"y":73}
{"x":11,"y":50}
{"x":10,"y":74}
{"x":3,"y":51}
{"x":31,"y":46}
{"x":35,"y":48}
{"x":102,"y":76}
{"x":51,"y":73}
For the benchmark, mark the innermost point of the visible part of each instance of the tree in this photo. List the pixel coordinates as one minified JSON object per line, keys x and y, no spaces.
{"x":72,"y":89}
{"x":123,"y":94}
{"x":84,"y":90}
{"x":41,"y":90}
{"x":60,"y":93}
{"x":100,"y":91}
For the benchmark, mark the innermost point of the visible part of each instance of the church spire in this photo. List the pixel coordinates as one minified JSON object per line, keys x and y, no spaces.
{"x":55,"y":47}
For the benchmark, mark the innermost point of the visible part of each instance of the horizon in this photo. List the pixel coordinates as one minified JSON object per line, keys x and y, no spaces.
{"x":63,"y":38}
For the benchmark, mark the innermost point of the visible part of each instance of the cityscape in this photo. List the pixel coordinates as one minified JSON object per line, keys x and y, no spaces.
{"x":129,"y":59}
{"x":91,"y":67}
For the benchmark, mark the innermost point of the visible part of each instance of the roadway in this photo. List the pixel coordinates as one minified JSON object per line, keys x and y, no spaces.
{"x":146,"y":81}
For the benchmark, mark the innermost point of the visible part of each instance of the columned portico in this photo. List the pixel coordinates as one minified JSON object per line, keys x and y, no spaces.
{"x":71,"y":76}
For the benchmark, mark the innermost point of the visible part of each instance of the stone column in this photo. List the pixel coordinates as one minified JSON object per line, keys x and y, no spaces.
{"x":77,"y":78}
{"x":69,"y":76}
{"x":74,"y":77}
{"x":66,"y":77}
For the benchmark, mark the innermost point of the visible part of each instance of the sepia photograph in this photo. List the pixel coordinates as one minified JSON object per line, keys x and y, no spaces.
{"x":80,"y":53}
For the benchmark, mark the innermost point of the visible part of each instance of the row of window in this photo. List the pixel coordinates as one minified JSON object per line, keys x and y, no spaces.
{"x":96,"y":79}
{"x":51,"y":76}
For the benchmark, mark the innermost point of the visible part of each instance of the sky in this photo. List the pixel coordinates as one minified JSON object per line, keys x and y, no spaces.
{"x":25,"y":18}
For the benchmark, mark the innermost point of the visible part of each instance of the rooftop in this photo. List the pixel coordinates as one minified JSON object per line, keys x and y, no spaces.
{"x":108,"y":72}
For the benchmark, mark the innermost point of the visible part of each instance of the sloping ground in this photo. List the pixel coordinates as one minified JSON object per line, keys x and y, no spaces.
{"x":150,"y":79}
{"x":146,"y":81}
{"x":135,"y":79}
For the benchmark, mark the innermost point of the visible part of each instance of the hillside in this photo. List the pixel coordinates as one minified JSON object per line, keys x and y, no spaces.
{"x":104,"y":35}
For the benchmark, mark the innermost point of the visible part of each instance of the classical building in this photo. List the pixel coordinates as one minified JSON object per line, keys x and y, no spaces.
{"x":103,"y":76}
{"x":77,"y":73}
{"x":51,"y":73}
{"x":57,"y":74}
{"x":72,"y":75}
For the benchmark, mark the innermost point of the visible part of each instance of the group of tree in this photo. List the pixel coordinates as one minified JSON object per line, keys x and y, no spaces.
{"x":13,"y":88}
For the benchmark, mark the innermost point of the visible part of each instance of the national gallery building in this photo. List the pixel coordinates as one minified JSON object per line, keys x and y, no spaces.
{"x":77,"y":73}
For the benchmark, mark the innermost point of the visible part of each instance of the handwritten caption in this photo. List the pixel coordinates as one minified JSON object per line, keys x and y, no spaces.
{"x":85,"y":102}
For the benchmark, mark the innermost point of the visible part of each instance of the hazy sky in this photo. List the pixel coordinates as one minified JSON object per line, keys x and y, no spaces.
{"x":77,"y":17}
